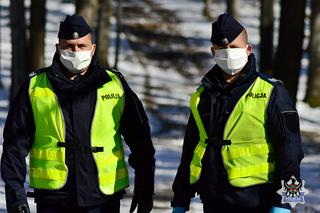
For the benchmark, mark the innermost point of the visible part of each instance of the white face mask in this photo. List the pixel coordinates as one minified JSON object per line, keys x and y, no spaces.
{"x":231,"y":60}
{"x":75,"y":62}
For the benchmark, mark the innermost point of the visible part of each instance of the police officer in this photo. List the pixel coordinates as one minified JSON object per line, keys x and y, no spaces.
{"x":242,"y":136}
{"x":70,"y":116}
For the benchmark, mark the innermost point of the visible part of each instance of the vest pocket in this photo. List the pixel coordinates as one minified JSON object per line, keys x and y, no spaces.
{"x":248,"y":164}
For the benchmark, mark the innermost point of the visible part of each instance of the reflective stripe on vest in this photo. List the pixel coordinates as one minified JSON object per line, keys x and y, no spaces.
{"x":47,"y":161}
{"x":249,"y":159}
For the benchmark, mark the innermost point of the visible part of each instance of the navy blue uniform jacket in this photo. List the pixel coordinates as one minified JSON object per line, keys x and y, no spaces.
{"x":216,"y":103}
{"x":77,"y":99}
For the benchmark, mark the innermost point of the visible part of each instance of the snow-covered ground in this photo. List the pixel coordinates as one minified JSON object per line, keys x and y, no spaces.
{"x":165,"y":89}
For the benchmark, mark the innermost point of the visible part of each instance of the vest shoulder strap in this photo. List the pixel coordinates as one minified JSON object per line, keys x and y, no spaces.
{"x":194,"y":101}
{"x":116,"y":76}
{"x":270,"y":79}
{"x":39,"y":71}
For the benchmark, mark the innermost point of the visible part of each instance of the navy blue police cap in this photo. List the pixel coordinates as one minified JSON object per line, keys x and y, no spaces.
{"x":225,"y":30}
{"x":73,"y":27}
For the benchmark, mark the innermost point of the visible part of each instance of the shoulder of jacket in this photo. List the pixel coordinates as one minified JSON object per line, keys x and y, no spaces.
{"x":199,"y":87}
{"x":270,"y":79}
{"x":39,"y":71}
{"x":121,"y":78}
{"x":115,"y":71}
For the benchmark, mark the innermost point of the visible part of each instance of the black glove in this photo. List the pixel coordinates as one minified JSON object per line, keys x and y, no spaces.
{"x":22,"y":208}
{"x":144,"y":204}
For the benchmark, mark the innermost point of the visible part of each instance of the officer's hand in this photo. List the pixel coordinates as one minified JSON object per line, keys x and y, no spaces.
{"x":179,"y":209}
{"x":22,"y":208}
{"x":279,"y":210}
{"x":144,"y":205}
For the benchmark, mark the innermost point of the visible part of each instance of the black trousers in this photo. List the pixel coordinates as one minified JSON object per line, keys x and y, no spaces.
{"x":109,"y":207}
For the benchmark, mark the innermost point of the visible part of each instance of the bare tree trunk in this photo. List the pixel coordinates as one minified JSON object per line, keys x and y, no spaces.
{"x":19,"y":45}
{"x":87,"y":9}
{"x":1,"y":86}
{"x":266,"y":36}
{"x":289,"y":53}
{"x":313,"y":85}
{"x":207,"y":8}
{"x":103,"y":30}
{"x":119,"y":28}
{"x":233,"y":8}
{"x":37,"y":35}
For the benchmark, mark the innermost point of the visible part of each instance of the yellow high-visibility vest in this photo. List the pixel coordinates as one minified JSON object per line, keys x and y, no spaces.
{"x":249,"y":159}
{"x":47,"y":160}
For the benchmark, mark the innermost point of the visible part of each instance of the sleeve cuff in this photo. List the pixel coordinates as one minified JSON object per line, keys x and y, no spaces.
{"x":185,"y":205}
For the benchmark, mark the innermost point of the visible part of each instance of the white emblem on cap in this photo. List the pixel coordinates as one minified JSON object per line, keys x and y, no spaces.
{"x":75,"y":35}
{"x":225,"y":41}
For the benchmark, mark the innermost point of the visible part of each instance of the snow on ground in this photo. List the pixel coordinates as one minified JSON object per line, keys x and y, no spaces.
{"x":166,"y":92}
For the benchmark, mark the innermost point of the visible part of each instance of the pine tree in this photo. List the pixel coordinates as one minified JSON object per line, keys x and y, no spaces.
{"x":233,"y":8}
{"x":19,"y":45}
{"x":313,"y":85}
{"x":289,"y":53}
{"x":37,"y":35}
{"x":266,"y":36}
